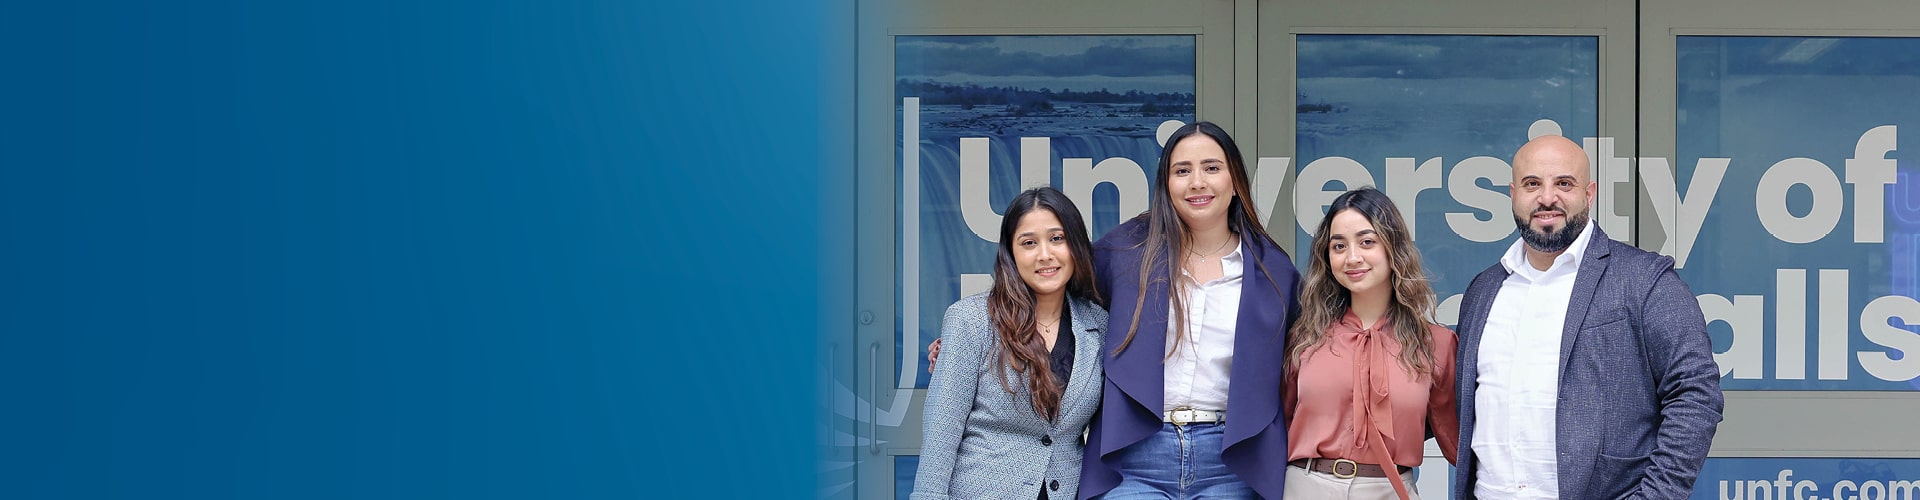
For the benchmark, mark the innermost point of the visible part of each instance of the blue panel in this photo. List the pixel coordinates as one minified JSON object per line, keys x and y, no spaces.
{"x":417,"y":250}
{"x":1809,"y":479}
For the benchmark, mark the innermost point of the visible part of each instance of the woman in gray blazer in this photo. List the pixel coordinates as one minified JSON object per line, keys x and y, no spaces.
{"x":1019,"y":370}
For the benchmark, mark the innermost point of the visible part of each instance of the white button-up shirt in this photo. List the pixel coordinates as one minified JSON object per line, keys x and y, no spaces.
{"x":1196,"y":375}
{"x":1519,"y":381}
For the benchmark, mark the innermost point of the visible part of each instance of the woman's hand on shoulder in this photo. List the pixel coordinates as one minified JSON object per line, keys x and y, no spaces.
{"x":933,"y":354}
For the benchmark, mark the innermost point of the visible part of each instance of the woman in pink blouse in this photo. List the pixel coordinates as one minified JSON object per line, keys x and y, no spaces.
{"x":1369,"y":375}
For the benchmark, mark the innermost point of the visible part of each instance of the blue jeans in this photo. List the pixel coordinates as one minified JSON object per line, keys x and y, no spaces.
{"x":1179,"y":462}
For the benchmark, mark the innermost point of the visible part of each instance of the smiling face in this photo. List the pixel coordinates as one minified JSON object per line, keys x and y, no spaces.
{"x":1041,"y":254}
{"x":1357,"y":255}
{"x":1199,"y":182}
{"x":1551,"y":192}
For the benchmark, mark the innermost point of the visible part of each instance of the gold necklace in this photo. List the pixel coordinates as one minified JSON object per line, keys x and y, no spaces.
{"x":1203,"y":257}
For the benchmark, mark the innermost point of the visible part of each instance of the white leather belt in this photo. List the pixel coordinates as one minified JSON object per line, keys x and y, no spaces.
{"x":1184,"y":416}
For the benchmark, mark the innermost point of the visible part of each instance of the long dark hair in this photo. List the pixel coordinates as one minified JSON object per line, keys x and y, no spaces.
{"x":1011,"y":303}
{"x":1323,"y":300}
{"x":1168,"y":236}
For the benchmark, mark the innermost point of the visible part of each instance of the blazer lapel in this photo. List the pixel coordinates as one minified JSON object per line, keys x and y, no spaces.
{"x":1086,"y":348}
{"x":1592,"y":267}
{"x":1137,"y":371}
{"x":1471,"y":327}
{"x":1251,"y":398}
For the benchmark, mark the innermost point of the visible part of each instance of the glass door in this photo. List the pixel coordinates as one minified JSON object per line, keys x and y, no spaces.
{"x":1793,"y":212}
{"x":960,"y":108}
{"x":1428,"y":102}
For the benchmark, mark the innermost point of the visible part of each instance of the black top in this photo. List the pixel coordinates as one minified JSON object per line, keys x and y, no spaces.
{"x":1060,"y":359}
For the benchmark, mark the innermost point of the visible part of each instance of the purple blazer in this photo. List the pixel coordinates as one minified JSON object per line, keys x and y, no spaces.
{"x":1256,"y":430}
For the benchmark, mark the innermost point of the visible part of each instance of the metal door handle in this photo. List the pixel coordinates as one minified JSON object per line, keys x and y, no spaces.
{"x":873,"y":398}
{"x":833,"y":398}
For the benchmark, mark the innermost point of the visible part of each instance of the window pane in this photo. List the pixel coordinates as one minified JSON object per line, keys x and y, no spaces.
{"x":904,"y":467}
{"x":1087,"y":105}
{"x":1807,"y":247}
{"x":1369,"y":102}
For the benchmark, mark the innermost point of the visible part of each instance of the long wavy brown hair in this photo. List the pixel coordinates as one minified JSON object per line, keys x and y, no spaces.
{"x":1323,"y":300}
{"x":1011,"y":303}
{"x":1168,"y":236}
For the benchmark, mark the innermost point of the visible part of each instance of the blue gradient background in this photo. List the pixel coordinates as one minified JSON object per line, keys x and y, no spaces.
{"x":418,"y":250}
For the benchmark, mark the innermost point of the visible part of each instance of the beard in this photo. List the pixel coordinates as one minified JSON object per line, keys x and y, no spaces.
{"x":1552,"y":241}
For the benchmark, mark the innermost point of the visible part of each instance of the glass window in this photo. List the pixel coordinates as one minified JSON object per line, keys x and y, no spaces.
{"x":1432,"y":120}
{"x":904,"y":467}
{"x":1795,"y":213}
{"x":989,"y":116}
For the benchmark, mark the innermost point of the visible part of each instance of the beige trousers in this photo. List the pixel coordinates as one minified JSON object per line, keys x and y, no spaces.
{"x":1307,"y":485}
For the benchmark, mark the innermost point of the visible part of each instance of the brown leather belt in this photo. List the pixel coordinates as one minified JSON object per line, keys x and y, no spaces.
{"x":1342,"y":468}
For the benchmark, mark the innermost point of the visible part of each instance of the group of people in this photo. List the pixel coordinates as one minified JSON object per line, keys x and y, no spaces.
{"x":1184,"y":356}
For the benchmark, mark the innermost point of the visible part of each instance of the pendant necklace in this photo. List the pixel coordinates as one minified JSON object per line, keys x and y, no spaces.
{"x":1203,"y":257}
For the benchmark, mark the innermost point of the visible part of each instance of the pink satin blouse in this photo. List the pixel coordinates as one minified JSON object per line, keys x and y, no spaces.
{"x":1331,"y":416}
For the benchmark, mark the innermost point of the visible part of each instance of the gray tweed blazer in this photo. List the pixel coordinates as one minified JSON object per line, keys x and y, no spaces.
{"x":980,"y":441}
{"x":1639,"y":391}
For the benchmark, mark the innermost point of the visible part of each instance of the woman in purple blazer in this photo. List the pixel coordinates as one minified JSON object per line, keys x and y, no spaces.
{"x":1199,"y":301}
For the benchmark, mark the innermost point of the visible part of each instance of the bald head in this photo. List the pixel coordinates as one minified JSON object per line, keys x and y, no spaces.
{"x":1551,"y":192}
{"x":1552,"y":151}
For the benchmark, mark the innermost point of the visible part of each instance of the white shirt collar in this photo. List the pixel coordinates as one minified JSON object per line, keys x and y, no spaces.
{"x":1237,"y":254}
{"x":1516,"y":257}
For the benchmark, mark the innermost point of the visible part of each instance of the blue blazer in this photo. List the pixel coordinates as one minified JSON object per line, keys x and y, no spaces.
{"x":1639,"y":391}
{"x":1130,"y":407}
{"x":981,"y":441}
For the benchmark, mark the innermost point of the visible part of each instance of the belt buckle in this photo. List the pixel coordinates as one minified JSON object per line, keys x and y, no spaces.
{"x":1351,"y":465}
{"x":1175,"y":415}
